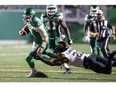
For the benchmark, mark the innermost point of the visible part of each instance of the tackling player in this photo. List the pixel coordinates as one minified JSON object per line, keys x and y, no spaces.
{"x":54,"y":21}
{"x":37,"y":29}
{"x":66,"y":54}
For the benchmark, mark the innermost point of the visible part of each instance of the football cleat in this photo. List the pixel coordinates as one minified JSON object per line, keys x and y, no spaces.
{"x":32,"y":74}
{"x":68,"y":71}
{"x":112,"y":54}
{"x":37,"y":74}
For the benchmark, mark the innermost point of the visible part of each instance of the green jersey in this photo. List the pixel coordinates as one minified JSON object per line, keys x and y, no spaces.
{"x":52,"y":23}
{"x":37,"y":29}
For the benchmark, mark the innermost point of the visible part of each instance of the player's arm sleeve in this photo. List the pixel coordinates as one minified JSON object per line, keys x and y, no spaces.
{"x":42,"y":30}
{"x":54,"y":55}
{"x":48,"y":62}
{"x":44,"y":35}
{"x":109,"y":25}
{"x":55,"y":61}
{"x":52,"y":62}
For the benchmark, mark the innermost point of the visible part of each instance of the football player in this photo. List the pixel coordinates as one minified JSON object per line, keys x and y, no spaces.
{"x":88,"y":27}
{"x":37,"y":29}
{"x":54,"y":21}
{"x":89,"y":61}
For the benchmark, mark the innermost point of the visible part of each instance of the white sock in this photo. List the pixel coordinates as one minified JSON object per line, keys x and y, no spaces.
{"x":65,"y":65}
{"x":34,"y":70}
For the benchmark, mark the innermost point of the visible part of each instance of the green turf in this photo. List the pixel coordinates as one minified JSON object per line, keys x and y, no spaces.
{"x":13,"y":67}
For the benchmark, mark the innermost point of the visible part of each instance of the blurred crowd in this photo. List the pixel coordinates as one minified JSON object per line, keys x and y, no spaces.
{"x":20,"y":7}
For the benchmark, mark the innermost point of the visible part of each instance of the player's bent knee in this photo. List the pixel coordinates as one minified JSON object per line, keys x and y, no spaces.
{"x":28,"y":58}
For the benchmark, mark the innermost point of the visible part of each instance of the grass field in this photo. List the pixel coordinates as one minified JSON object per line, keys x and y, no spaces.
{"x":13,"y":67}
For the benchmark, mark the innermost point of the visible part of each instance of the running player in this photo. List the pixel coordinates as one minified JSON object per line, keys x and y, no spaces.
{"x":54,"y":21}
{"x":37,"y":29}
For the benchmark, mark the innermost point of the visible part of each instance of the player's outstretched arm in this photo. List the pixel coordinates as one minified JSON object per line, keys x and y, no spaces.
{"x":54,"y":62}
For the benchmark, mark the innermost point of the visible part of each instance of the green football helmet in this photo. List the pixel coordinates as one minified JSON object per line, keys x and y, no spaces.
{"x":51,"y":9}
{"x":28,"y":14}
{"x":94,"y":9}
{"x":89,"y":18}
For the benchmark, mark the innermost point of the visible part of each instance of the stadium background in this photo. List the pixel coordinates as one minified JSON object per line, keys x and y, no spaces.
{"x":13,"y":67}
{"x":11,"y":20}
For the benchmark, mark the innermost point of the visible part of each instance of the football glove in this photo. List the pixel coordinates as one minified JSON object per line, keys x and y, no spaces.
{"x":87,"y":39}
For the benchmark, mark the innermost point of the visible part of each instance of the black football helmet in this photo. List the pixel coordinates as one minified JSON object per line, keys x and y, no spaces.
{"x":62,"y":46}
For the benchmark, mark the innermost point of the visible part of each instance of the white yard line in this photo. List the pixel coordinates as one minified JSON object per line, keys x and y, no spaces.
{"x":13,"y":54}
{"x":9,"y":70}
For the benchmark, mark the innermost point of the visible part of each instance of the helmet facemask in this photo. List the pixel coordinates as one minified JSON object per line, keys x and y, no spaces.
{"x":27,"y":19}
{"x":62,"y":46}
{"x":51,"y":9}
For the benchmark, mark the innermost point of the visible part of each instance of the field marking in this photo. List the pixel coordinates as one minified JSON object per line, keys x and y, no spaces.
{"x":21,"y":46}
{"x":53,"y":71}
{"x":9,"y":70}
{"x":13,"y":54}
{"x":1,"y":47}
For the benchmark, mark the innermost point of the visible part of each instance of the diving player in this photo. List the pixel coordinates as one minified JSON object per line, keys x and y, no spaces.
{"x":66,"y":54}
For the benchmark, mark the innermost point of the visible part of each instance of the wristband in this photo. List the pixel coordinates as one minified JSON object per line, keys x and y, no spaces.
{"x":45,"y":41}
{"x":42,"y":47}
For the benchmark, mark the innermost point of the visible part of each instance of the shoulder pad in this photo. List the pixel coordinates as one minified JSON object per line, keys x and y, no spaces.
{"x":36,"y":22}
{"x":43,"y":15}
{"x":59,"y":15}
{"x":88,"y":17}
